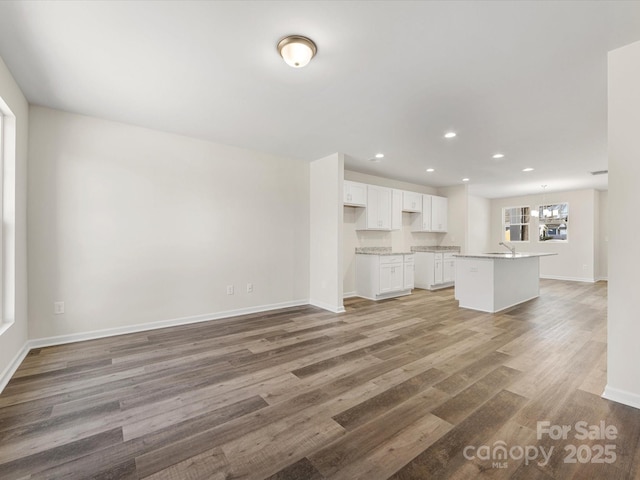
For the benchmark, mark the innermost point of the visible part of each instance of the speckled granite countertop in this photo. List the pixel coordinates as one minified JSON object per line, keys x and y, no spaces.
{"x":378,"y":251}
{"x":506,"y":255}
{"x":436,"y":248}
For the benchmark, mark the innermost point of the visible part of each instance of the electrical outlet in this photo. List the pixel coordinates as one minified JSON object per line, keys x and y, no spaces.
{"x":229,"y":289}
{"x":58,"y":308}
{"x":249,"y":287}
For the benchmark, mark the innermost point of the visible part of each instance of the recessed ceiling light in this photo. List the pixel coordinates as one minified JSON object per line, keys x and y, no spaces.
{"x":379,"y":155}
{"x":498,"y":155}
{"x":449,"y":134}
{"x":528,"y":169}
{"x":465,"y":179}
{"x":430,"y":170}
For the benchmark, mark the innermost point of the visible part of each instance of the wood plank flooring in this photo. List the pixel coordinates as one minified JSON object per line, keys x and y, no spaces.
{"x":398,"y":389}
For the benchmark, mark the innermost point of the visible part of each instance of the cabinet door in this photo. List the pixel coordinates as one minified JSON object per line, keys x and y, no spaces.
{"x":426,"y":213}
{"x":411,"y":202}
{"x":439,"y":206}
{"x":386,"y":278}
{"x":373,"y":201}
{"x":408,"y":275}
{"x":437,"y":271}
{"x":449,"y":270}
{"x":391,"y":277}
{"x":378,"y":208}
{"x":396,"y":209}
{"x":355,"y":194}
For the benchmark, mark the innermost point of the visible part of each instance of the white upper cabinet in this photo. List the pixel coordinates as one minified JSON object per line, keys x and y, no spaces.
{"x":439,"y":214}
{"x":433,"y":217}
{"x":396,"y":209}
{"x":421,"y":222}
{"x":355,"y":194}
{"x":383,"y":208}
{"x":377,"y":215}
{"x":411,"y":202}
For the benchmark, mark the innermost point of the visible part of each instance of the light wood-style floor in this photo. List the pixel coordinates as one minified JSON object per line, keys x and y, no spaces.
{"x":394,"y":389}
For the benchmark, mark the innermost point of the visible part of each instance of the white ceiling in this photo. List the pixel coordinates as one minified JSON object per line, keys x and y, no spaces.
{"x":528,"y":79}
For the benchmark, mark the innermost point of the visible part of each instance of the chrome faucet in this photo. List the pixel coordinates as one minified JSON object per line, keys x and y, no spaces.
{"x":511,"y":249}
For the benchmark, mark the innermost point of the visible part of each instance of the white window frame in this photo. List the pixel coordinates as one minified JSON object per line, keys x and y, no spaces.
{"x":8,"y":129}
{"x":504,"y":224}
{"x":555,"y":240}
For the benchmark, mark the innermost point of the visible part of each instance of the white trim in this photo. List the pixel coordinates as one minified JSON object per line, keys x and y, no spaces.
{"x":387,"y":296}
{"x":502,"y":309}
{"x":602,"y":279}
{"x":13,"y":365}
{"x":349,"y":295}
{"x":621,"y":396}
{"x":326,"y":306}
{"x":568,"y":279}
{"x":4,"y":326}
{"x":10,"y":370}
{"x":141,"y":327}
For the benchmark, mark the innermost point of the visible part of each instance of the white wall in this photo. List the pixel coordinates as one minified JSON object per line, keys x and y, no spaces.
{"x":623,"y":357}
{"x":575,"y":259}
{"x":602,"y":236}
{"x":13,"y":339}
{"x":325,"y":213}
{"x":398,"y":240}
{"x":458,"y":206}
{"x":129,"y":225}
{"x":479,"y":225}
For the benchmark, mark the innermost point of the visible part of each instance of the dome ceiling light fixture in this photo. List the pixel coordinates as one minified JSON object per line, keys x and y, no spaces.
{"x":297,"y":50}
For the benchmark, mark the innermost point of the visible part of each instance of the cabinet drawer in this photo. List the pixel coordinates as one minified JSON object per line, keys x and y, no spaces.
{"x":449,"y":256}
{"x":409,"y":259}
{"x":385,"y":259}
{"x":438,"y":256}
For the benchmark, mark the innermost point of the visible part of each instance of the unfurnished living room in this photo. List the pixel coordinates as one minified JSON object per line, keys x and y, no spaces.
{"x":307,"y":240}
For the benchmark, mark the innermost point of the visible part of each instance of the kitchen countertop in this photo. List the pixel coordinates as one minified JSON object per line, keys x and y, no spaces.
{"x":505,"y":255}
{"x":436,"y":248}
{"x":378,"y":251}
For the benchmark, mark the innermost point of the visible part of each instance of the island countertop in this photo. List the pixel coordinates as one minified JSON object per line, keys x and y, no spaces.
{"x":505,"y":255}
{"x":383,"y":251}
{"x":435,"y":249}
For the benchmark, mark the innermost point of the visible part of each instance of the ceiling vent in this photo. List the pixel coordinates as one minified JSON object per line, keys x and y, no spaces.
{"x":600,"y":172}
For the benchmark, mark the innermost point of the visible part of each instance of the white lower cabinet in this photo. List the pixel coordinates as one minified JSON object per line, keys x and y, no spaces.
{"x":409,"y":271}
{"x":448,"y":268}
{"x":434,"y":270}
{"x":383,"y":276}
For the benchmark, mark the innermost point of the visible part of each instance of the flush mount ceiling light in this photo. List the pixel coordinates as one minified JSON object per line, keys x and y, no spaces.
{"x":449,"y":134}
{"x":465,"y":179}
{"x":429,"y":170}
{"x":528,"y":169}
{"x":498,"y":155}
{"x":379,"y":155}
{"x":297,"y":50}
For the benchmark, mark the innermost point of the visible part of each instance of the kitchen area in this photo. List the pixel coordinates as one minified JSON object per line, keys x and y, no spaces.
{"x":398,"y":239}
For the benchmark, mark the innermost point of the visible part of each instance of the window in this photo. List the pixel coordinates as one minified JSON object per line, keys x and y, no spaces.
{"x":553,"y":223}
{"x":7,"y":215}
{"x":516,"y":224}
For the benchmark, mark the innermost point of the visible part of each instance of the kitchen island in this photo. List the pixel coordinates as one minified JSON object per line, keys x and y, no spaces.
{"x":491,"y":282}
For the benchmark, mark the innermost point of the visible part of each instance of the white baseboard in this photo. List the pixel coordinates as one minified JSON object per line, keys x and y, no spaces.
{"x":622,"y":396}
{"x":110,"y":332}
{"x":326,"y":306}
{"x":13,"y":366}
{"x":349,"y":295}
{"x":568,"y":279}
{"x":602,"y":279}
{"x":141,"y":327}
